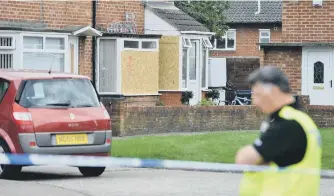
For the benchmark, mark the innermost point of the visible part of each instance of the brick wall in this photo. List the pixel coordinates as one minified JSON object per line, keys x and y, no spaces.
{"x":238,"y":70}
{"x":289,"y":60}
{"x":147,"y":120}
{"x":116,"y":104}
{"x":59,"y":14}
{"x":85,"y":56}
{"x":112,"y":11}
{"x":171,"y":98}
{"x":247,"y":37}
{"x":56,"y":14}
{"x":143,"y":101}
{"x":303,"y":22}
{"x":115,"y":108}
{"x":322,"y":115}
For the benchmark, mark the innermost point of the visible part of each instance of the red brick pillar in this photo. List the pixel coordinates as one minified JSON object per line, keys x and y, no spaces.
{"x":115,"y":108}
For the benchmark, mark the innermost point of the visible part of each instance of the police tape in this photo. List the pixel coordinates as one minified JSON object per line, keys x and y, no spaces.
{"x":96,"y":161}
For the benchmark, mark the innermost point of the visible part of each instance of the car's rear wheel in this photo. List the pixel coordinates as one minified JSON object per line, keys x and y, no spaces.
{"x":8,"y":171}
{"x":91,"y":171}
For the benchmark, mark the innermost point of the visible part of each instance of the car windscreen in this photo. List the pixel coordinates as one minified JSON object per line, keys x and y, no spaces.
{"x":55,"y":93}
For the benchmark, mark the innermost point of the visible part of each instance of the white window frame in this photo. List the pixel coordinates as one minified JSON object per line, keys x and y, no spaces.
{"x":132,"y":40}
{"x":184,"y":42}
{"x":11,"y":52}
{"x":187,"y":76}
{"x":206,"y":50}
{"x":140,"y":48}
{"x":206,"y":46}
{"x":13,"y":42}
{"x":206,"y":43}
{"x":44,"y":50}
{"x":119,"y":46}
{"x":225,"y":37}
{"x":74,"y":40}
{"x":260,"y":35}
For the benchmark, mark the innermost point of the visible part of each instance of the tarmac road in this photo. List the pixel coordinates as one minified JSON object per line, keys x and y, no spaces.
{"x":67,"y":181}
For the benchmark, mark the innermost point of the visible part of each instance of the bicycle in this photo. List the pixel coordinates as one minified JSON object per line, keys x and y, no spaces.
{"x":238,"y":99}
{"x":235,"y":99}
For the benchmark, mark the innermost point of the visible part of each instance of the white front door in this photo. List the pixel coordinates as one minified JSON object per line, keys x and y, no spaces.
{"x":193,"y":72}
{"x":319,"y":77}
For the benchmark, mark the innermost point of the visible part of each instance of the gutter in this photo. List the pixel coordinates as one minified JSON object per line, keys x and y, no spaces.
{"x":94,"y":43}
{"x":198,"y":33}
{"x":258,"y":7}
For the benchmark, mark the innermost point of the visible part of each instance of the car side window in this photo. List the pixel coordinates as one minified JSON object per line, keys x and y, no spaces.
{"x":3,"y":88}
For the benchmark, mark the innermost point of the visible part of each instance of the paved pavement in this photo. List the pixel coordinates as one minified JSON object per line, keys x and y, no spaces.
{"x":67,"y":181}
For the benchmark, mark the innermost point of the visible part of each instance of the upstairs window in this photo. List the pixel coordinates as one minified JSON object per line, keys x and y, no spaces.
{"x":226,"y":42}
{"x":264,"y":35}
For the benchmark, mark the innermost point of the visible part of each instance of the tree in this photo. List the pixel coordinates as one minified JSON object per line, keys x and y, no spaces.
{"x":209,"y":13}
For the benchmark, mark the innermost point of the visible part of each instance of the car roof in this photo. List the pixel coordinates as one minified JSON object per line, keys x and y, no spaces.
{"x":14,"y":74}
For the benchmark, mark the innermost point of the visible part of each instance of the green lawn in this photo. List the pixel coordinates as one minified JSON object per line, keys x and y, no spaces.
{"x":209,"y":147}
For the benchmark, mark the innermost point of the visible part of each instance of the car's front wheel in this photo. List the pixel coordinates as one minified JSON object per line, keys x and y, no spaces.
{"x":8,"y":171}
{"x":91,"y":171}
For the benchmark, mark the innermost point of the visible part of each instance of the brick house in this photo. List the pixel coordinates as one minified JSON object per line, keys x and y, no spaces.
{"x":306,"y":49}
{"x":239,"y":49}
{"x":84,"y":37}
{"x":33,"y":33}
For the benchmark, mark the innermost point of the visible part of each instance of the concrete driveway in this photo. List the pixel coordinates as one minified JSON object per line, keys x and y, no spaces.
{"x":67,"y":181}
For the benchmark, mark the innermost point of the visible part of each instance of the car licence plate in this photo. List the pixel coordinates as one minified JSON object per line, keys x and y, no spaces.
{"x":71,"y":139}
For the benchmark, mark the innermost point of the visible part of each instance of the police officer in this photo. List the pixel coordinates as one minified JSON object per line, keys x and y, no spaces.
{"x":289,"y":139}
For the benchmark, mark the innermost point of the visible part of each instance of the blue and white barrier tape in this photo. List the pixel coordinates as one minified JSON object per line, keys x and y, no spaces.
{"x":94,"y":161}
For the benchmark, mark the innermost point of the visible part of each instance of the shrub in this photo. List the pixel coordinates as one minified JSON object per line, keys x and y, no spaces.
{"x":206,"y":102}
{"x":186,"y":96}
{"x":212,"y":94}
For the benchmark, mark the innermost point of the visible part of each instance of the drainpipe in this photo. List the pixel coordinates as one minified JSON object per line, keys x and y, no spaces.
{"x":258,"y":7}
{"x":94,"y":42}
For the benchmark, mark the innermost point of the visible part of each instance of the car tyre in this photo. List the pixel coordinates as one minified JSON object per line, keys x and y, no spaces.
{"x":91,"y":171}
{"x":8,"y":171}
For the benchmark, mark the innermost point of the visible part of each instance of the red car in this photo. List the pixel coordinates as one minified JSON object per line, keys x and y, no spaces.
{"x":51,"y":113}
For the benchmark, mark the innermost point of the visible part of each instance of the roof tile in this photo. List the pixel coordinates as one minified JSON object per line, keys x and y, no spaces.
{"x":244,"y":12}
{"x":179,"y":19}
